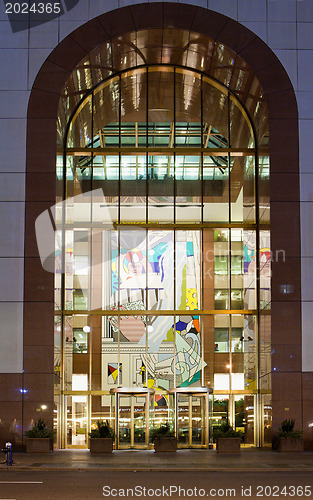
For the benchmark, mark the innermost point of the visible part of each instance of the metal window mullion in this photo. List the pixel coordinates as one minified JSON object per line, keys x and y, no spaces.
{"x":202,"y":157}
{"x":147,"y":409}
{"x":147,"y":181}
{"x":201,"y":306}
{"x":257,"y":411}
{"x":230,"y":243}
{"x":190,"y":418}
{"x":201,"y":296}
{"x":90,"y":263}
{"x":62,"y":409}
{"x":113,"y":150}
{"x":119,"y":153}
{"x":174,"y":142}
{"x":175,"y":188}
{"x":118,"y":233}
{"x":147,"y":222}
{"x":174,"y":231}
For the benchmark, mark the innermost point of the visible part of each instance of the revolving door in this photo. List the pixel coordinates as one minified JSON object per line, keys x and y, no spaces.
{"x":191,"y":416}
{"x":131,"y":411}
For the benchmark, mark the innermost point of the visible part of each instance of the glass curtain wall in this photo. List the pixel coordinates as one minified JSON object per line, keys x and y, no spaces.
{"x":158,"y":249}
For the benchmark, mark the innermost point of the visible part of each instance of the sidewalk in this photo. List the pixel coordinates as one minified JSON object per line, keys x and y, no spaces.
{"x":147,"y":460}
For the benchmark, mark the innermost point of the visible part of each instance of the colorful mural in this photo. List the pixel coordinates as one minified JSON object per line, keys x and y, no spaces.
{"x":143,"y":270}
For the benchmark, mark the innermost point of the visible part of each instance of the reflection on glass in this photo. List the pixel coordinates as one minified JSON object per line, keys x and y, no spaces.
{"x":267,"y":412}
{"x":250,"y":353}
{"x":264,"y":188}
{"x":220,"y":413}
{"x":241,"y":132}
{"x":216,"y":188}
{"x":188,"y":188}
{"x":198,"y":420}
{"x":139,"y":421}
{"x":76,"y":421}
{"x":80,"y":341}
{"x":132,"y":189}
{"x":183,"y":420}
{"x":221,"y":339}
{"x":124,"y":420}
{"x":265,"y":350}
{"x":242,"y":190}
{"x":245,"y":417}
{"x":130,"y":267}
{"x":191,"y":420}
{"x":79,"y":134}
{"x":265,"y":269}
{"x":161,"y":188}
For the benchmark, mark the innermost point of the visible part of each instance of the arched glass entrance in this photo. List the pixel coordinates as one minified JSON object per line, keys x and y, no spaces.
{"x":161,"y":245}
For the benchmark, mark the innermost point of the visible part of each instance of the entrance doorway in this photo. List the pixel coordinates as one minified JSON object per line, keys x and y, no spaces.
{"x":76,"y":421}
{"x":131,"y":411}
{"x":191,"y":415}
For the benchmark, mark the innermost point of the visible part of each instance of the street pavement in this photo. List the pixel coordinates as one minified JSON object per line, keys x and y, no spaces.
{"x":77,"y":474}
{"x":75,"y":484}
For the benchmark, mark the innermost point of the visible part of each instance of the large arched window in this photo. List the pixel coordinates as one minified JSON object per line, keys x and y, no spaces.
{"x":161,"y":243}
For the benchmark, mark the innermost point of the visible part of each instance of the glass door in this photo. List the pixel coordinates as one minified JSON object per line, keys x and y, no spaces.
{"x":198,"y":421}
{"x":192,"y":420}
{"x":139,"y":421}
{"x":125,"y":421}
{"x":183,"y":421}
{"x":237,"y":410}
{"x":220,"y":414}
{"x":132,"y":417}
{"x":77,"y":422}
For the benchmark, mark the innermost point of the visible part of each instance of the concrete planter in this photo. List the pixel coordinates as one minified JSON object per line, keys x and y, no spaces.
{"x":39,"y":445}
{"x":165,"y":444}
{"x":228,"y":445}
{"x":101,"y":445}
{"x":289,"y":444}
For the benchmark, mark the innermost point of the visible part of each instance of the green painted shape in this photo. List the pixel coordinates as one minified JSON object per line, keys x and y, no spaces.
{"x":165,"y":384}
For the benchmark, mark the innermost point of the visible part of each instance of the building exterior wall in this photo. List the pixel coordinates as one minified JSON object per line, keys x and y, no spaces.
{"x":286,"y":26}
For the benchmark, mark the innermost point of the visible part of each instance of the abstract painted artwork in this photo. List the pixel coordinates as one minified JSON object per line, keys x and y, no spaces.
{"x":114,"y":374}
{"x":143,"y":276}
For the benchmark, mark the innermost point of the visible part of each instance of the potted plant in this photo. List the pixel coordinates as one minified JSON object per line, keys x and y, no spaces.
{"x":164,"y":439}
{"x":39,"y":438}
{"x":289,"y":439}
{"x":227,"y":439}
{"x":101,"y":438}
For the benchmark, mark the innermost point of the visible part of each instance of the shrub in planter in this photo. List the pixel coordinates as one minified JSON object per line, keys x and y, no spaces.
{"x":101,"y":438}
{"x":39,"y":438}
{"x":227,"y":439}
{"x":164,"y":439}
{"x":289,"y":439}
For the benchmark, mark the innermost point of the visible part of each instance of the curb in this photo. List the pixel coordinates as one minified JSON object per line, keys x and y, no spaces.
{"x":152,"y":469}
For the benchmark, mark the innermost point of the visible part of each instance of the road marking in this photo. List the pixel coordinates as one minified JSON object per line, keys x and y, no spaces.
{"x":20,"y":482}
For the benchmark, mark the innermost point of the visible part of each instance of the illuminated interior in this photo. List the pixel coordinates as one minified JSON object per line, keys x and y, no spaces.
{"x":163,"y":255}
